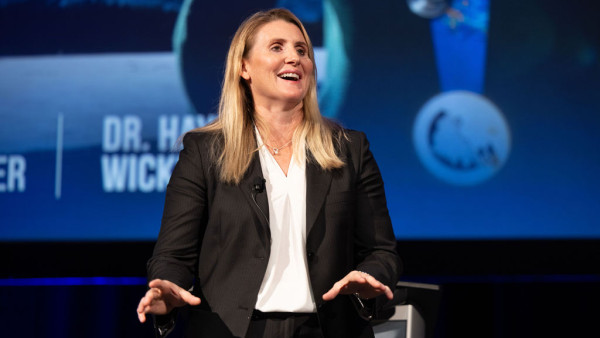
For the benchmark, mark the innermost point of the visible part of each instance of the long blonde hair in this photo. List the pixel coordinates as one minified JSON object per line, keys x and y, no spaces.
{"x":236,"y":108}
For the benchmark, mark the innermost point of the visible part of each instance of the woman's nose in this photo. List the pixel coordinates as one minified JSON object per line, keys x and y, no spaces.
{"x":292,"y":58}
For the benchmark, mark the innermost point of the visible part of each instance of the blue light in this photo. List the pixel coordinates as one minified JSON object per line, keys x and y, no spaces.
{"x":506,"y":279}
{"x":73,"y":281}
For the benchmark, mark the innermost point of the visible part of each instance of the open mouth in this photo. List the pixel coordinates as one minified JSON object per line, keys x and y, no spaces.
{"x":289,"y":76}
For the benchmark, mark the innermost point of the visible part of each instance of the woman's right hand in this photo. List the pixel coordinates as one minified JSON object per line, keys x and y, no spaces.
{"x":162,"y":298}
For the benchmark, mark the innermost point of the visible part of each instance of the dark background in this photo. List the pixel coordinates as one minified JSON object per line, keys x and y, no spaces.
{"x":488,"y":288}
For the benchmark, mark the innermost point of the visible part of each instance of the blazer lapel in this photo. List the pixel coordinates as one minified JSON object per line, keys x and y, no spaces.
{"x":257,"y":200}
{"x":317,"y":186}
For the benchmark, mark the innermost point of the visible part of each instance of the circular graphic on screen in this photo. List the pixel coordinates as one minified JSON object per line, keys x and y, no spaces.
{"x":461,"y":137}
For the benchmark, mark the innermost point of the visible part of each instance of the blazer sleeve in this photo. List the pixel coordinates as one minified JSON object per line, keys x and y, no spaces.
{"x":175,"y":254}
{"x":374,"y":240}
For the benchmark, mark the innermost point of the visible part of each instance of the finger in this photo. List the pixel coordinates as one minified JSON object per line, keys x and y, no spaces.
{"x":385,"y":290}
{"x":371,"y":280}
{"x":331,"y":294}
{"x":375,"y":283}
{"x":161,"y":284}
{"x":388,"y":293}
{"x":152,"y":295}
{"x":335,"y":290}
{"x":144,"y":306}
{"x":141,"y":306}
{"x":187,"y":297}
{"x":145,"y":301}
{"x":166,"y":288}
{"x":379,"y":287}
{"x":173,"y":289}
{"x":141,"y":317}
{"x":357,"y":276}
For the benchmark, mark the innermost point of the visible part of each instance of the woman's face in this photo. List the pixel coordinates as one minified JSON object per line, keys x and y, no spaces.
{"x":277,"y":68}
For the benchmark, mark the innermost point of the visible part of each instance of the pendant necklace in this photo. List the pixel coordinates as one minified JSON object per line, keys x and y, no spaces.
{"x":277,"y":149}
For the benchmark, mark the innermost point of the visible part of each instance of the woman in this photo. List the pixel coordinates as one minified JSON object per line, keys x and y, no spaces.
{"x":275,"y":220}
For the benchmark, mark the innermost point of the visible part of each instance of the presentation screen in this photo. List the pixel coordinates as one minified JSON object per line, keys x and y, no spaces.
{"x":483,"y":115}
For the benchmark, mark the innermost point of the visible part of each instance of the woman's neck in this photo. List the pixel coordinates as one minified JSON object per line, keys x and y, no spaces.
{"x":280,"y":124}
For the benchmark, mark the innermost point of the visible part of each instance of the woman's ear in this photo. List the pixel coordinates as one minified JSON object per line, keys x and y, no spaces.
{"x":244,"y":73}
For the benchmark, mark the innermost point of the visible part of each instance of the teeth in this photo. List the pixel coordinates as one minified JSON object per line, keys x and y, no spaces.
{"x":290,"y":75}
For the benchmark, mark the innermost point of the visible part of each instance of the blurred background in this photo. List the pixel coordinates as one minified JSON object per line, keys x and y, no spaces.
{"x":482,"y":114}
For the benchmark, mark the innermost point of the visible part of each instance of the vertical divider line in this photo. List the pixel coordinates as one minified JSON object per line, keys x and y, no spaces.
{"x":59,"y":156}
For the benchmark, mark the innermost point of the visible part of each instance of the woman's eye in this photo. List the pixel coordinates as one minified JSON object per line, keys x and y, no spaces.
{"x":301,"y":52}
{"x":276,"y":48}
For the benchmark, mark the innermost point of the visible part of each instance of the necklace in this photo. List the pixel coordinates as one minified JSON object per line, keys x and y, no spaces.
{"x":277,"y":149}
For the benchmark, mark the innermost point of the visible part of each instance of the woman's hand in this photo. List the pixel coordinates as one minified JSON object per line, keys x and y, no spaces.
{"x":360,"y":283}
{"x":162,"y":298}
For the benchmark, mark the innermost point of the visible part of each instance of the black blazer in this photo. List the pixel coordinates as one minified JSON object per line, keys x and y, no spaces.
{"x":215,"y":238}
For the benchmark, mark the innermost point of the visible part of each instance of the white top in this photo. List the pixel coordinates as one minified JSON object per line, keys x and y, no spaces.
{"x":285,"y":287}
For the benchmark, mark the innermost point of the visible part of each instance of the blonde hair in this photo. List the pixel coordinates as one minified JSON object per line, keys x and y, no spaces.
{"x":236,"y":108}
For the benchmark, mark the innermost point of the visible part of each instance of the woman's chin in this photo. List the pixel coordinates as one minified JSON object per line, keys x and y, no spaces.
{"x":293,"y":96}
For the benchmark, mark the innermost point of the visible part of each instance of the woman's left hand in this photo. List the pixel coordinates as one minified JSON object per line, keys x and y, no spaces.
{"x":360,"y":283}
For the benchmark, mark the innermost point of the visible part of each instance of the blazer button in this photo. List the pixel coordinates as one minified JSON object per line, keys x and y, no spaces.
{"x":310,"y":255}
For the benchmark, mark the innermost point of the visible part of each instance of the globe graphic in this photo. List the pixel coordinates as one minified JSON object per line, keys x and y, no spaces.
{"x":461,"y":137}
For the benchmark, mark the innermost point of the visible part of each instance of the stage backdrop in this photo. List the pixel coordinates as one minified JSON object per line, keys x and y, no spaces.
{"x":482,"y":114}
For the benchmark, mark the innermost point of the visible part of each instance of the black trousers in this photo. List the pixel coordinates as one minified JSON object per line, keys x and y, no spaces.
{"x":284,"y":325}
